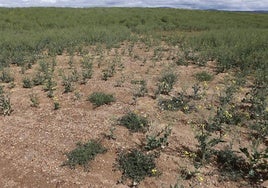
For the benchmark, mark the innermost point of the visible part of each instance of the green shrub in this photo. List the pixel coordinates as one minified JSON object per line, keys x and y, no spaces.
{"x":87,"y":73}
{"x":109,"y":72}
{"x":83,"y":154}
{"x":136,"y":165}
{"x":5,"y":105}
{"x":206,"y":146}
{"x":68,"y":84}
{"x":56,"y":103}
{"x":256,"y":160}
{"x":203,"y":76}
{"x":6,"y":77}
{"x":134,"y":122}
{"x":87,"y":69}
{"x":49,"y":86}
{"x":99,"y":98}
{"x":159,"y":140}
{"x":166,"y":83}
{"x":230,"y":165}
{"x":39,"y":79}
{"x":187,"y":174}
{"x":176,"y":103}
{"x":34,"y":100}
{"x":196,"y":92}
{"x":142,"y":88}
{"x":182,"y":62}
{"x":259,"y":129}
{"x":74,"y":76}
{"x":1,"y":90}
{"x":27,"y":83}
{"x":43,"y":67}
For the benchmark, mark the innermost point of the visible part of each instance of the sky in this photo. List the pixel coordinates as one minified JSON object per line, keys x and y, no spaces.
{"x":231,"y":5}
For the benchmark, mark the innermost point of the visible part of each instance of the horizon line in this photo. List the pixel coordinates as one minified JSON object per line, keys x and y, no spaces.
{"x":168,"y":7}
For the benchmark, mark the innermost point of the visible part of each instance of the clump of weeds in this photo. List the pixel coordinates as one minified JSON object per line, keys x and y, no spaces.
{"x":166,"y":83}
{"x":83,"y":154}
{"x":160,"y":140}
{"x":180,"y":102}
{"x":135,"y":165}
{"x":27,"y":83}
{"x":6,"y":76}
{"x":100,"y":98}
{"x":203,"y":76}
{"x":134,"y":122}
{"x":87,"y":69}
{"x":34,"y":100}
{"x":109,"y":72}
{"x":142,"y":88}
{"x":5,"y":105}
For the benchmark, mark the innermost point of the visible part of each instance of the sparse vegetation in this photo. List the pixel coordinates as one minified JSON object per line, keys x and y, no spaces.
{"x":210,"y":65}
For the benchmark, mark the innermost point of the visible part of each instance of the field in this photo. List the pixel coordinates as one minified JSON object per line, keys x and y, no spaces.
{"x":133,"y":97}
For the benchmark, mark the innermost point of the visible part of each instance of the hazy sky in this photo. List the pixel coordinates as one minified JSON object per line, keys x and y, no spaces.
{"x":245,"y":5}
